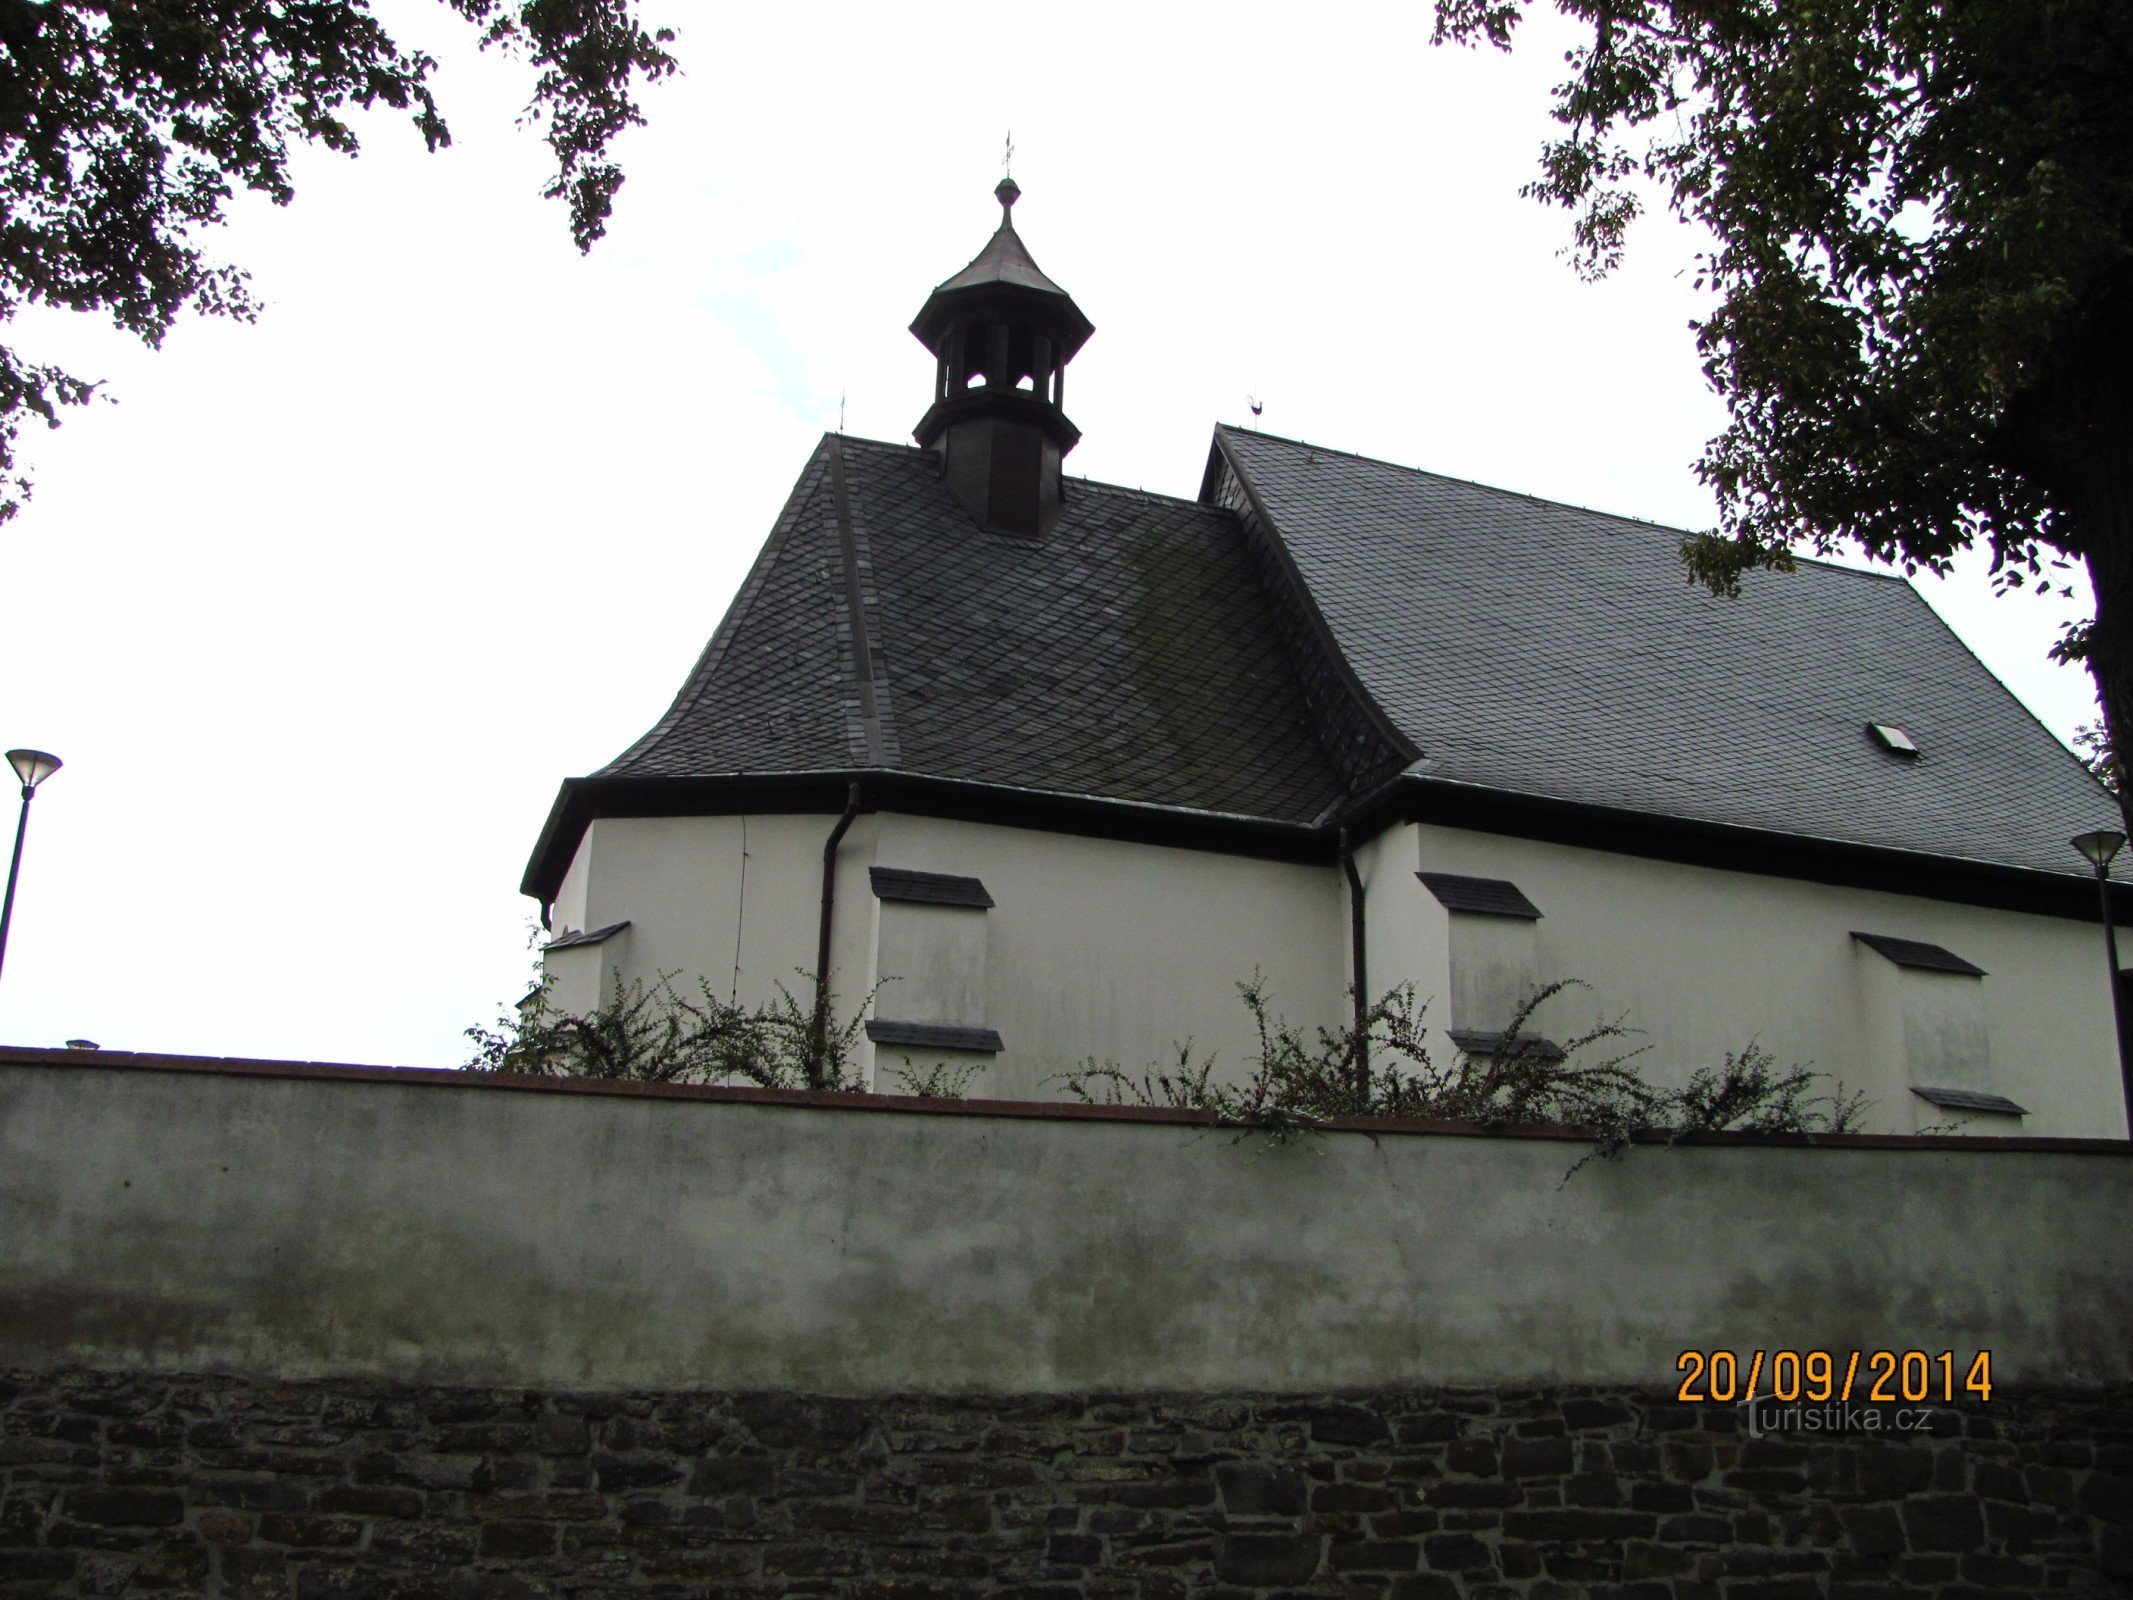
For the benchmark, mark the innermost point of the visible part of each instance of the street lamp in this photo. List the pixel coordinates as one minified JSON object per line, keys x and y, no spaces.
{"x":2099,"y":847}
{"x":32,"y":767}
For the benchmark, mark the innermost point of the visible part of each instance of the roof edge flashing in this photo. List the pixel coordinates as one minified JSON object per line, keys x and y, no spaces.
{"x":1974,"y":1100}
{"x":1486,"y":897}
{"x":581,"y":939}
{"x":1917,"y":955}
{"x":935,"y":1036}
{"x":908,"y":886}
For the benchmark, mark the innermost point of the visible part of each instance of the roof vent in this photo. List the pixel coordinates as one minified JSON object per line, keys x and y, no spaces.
{"x":1893,"y":739}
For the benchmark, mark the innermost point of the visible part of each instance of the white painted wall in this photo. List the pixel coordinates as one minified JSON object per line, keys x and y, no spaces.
{"x":566,"y":913}
{"x":581,"y":979}
{"x":1931,"y":1028}
{"x":1703,"y":961}
{"x":1121,"y":951}
{"x":714,"y":896}
{"x":930,"y":963}
{"x":1118,"y":951}
{"x":1094,"y":948}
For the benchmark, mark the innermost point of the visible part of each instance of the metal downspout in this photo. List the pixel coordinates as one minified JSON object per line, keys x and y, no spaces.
{"x":1361,"y":956}
{"x":818,"y":1045}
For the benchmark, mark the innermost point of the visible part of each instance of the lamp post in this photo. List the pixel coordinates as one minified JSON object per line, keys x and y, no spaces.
{"x":32,"y":767}
{"x":2099,"y":847}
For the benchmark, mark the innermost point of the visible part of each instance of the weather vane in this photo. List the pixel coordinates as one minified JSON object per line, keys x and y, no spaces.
{"x":1007,"y":157}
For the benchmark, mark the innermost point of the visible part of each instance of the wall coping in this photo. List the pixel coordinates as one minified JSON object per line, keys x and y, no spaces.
{"x":1006,"y":1110}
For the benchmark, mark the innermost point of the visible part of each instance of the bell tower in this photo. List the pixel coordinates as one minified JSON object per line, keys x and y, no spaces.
{"x":1001,"y":334}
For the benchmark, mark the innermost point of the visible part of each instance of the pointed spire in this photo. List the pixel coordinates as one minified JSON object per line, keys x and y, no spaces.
{"x":1005,"y":260}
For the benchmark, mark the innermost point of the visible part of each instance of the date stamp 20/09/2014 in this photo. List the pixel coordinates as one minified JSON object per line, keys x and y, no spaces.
{"x":1821,"y":1377}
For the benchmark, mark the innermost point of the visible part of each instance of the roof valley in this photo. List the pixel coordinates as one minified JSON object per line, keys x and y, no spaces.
{"x":1360,"y":741}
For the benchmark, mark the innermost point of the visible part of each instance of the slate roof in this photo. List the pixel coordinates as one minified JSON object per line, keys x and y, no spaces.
{"x":1190,"y":656}
{"x":1919,"y":955}
{"x":929,"y":888}
{"x":573,"y":941}
{"x":1488,"y":897}
{"x":1544,"y":650}
{"x":1127,"y":654}
{"x":1971,"y":1100}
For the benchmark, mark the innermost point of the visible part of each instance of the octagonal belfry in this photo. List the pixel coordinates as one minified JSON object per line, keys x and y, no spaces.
{"x":1001,"y":334}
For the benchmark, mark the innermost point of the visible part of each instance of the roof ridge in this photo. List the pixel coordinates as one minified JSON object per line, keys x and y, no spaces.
{"x":1099,"y":484}
{"x":1134,"y":492}
{"x":1536,"y":499}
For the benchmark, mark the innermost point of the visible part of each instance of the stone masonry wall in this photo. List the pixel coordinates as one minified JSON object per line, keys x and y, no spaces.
{"x":136,"y":1484}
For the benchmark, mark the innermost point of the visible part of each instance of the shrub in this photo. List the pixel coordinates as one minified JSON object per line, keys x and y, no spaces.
{"x":1381,"y":1067}
{"x":657,"y":1035}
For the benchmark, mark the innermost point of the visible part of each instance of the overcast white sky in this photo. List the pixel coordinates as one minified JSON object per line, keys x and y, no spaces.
{"x":321,"y":610}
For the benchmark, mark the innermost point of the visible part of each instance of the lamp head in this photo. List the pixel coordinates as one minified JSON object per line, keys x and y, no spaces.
{"x":2099,"y":847}
{"x":33,"y":766}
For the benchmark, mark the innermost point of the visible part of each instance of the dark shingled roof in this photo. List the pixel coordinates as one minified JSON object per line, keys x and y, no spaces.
{"x":1488,"y":1042}
{"x":1970,"y":1100}
{"x":572,"y":941}
{"x":1128,"y":654}
{"x":1536,"y":648}
{"x":1319,"y":622}
{"x":929,"y":888}
{"x":935,"y":1036}
{"x":1489,"y":897}
{"x":1918,"y":954}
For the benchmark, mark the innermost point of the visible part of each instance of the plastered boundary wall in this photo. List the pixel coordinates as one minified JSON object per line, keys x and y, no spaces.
{"x":279,"y":1221}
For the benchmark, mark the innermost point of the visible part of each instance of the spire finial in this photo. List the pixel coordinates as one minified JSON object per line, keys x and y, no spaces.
{"x":1007,"y":191}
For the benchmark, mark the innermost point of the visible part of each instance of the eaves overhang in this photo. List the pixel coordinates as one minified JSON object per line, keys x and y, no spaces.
{"x":1409,"y":797}
{"x":1050,"y":309}
{"x":581,"y":800}
{"x":1843,"y":863}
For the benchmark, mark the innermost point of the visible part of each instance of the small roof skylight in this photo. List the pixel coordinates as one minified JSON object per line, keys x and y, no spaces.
{"x":1892,"y":738}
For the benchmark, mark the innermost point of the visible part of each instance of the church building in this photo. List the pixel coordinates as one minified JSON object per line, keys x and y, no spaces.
{"x":1047,"y":767}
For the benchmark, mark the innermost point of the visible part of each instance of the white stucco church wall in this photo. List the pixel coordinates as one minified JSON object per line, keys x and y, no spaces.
{"x":1120,"y":952}
{"x":1095,"y":949}
{"x":1703,"y":962}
